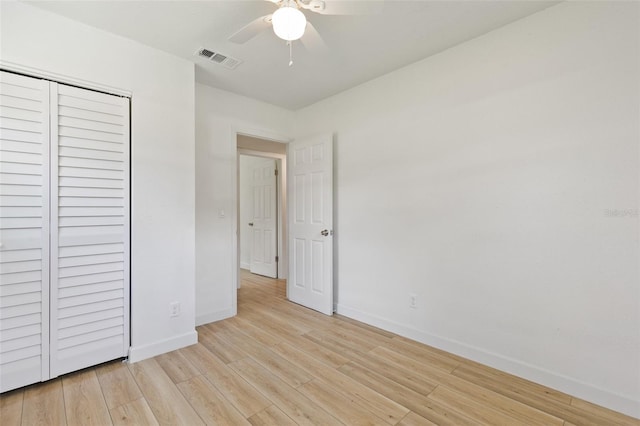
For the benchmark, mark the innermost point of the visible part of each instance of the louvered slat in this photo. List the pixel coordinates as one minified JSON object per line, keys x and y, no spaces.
{"x":89,"y":288}
{"x":13,"y":289}
{"x":90,"y":239}
{"x":95,"y":278}
{"x":20,"y":146}
{"x":24,"y":231}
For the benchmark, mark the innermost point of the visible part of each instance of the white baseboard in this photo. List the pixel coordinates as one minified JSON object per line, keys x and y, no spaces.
{"x":138,"y":353}
{"x":215,"y":316}
{"x":245,"y":265}
{"x":620,"y":403}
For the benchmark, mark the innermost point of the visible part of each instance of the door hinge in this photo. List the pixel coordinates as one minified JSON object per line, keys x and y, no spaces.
{"x":276,"y":172}
{"x":277,"y":259}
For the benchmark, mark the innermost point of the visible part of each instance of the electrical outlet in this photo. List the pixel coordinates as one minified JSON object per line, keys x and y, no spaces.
{"x":174,"y":309}
{"x":413,"y":300}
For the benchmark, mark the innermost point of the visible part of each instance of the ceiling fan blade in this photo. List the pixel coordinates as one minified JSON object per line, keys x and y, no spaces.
{"x":312,"y":41}
{"x":251,"y":30}
{"x":343,"y":7}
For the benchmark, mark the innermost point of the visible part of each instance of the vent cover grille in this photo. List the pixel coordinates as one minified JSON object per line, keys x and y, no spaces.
{"x":219,"y":58}
{"x":206,"y":53}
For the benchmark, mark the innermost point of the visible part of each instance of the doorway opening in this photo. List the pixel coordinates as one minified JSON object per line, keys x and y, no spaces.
{"x":261,"y":207}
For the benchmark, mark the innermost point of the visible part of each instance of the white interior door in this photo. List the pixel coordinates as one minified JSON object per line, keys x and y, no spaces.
{"x":264,"y":223}
{"x":310,"y":209}
{"x":24,"y":231}
{"x":89,"y":228}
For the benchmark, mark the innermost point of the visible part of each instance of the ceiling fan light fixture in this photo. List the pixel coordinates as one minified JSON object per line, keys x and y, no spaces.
{"x":288,"y":23}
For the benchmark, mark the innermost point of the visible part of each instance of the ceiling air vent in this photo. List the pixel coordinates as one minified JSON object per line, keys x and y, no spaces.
{"x":219,"y":58}
{"x":205,"y":53}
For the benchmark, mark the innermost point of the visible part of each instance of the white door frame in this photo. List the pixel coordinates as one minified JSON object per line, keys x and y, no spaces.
{"x":235,"y":255}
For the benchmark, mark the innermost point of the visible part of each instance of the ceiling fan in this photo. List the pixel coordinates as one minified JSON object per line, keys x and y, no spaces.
{"x":289,"y":23}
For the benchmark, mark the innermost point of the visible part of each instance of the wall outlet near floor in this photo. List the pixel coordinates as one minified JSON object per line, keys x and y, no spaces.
{"x":413,"y":300}
{"x":174,"y":309}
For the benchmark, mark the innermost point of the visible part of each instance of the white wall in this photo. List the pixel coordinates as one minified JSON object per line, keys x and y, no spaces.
{"x":219,"y":116}
{"x":493,"y":173}
{"x":483,"y":180}
{"x":162,"y":140}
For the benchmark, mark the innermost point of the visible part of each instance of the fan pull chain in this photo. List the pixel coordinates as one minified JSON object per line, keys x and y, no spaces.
{"x":290,"y":53}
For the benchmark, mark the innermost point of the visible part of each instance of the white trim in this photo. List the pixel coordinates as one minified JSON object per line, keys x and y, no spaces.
{"x":45,"y":320}
{"x":235,"y":220}
{"x":262,"y":154}
{"x":245,"y":265}
{"x":61,"y":78}
{"x":214,"y":316}
{"x":530,"y":372}
{"x":259,"y":133}
{"x":234,"y":131}
{"x":127,"y":226}
{"x":54,"y":234}
{"x":139,"y":353}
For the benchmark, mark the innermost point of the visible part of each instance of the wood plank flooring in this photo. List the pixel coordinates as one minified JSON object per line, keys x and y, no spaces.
{"x":278,"y":363}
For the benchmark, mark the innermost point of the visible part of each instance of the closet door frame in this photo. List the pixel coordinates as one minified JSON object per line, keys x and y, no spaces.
{"x":48,"y":167}
{"x":63,"y":79}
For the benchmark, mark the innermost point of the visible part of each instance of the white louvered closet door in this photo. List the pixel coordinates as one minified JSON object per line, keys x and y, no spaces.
{"x":24,"y":231}
{"x":89,"y":228}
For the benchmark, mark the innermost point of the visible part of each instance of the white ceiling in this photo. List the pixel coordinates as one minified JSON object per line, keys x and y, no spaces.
{"x":360,"y":48}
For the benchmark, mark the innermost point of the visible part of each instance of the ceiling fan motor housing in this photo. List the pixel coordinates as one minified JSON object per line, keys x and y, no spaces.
{"x":315,"y":5}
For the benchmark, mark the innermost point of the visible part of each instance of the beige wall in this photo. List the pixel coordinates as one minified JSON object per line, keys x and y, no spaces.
{"x":262,"y":145}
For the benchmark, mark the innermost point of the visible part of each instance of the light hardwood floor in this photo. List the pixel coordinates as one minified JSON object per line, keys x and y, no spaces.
{"x":278,"y":363}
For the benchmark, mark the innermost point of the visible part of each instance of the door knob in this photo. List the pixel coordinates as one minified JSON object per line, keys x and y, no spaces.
{"x":325,"y":232}
{"x":250,"y":223}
